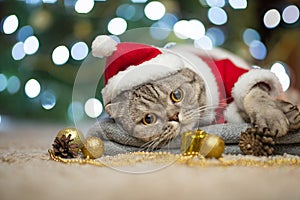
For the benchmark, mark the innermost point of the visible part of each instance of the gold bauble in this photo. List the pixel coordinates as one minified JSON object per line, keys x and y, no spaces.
{"x":212,"y":146}
{"x":200,"y":143}
{"x":76,"y":136}
{"x":93,"y":148}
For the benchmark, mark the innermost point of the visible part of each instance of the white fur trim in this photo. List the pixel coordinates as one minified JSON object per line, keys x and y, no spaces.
{"x":232,"y":115}
{"x":248,"y":80}
{"x":161,"y":66}
{"x":103,"y":46}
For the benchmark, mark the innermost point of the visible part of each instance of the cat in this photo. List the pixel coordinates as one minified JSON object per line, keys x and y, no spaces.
{"x":159,"y":111}
{"x":156,"y":94}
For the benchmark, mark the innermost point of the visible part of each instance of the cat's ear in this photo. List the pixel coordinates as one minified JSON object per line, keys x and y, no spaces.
{"x":112,"y":109}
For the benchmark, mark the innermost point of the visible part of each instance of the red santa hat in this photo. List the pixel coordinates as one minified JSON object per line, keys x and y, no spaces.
{"x":129,"y":65}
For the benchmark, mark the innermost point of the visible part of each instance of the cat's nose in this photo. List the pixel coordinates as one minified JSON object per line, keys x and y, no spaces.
{"x":174,"y":117}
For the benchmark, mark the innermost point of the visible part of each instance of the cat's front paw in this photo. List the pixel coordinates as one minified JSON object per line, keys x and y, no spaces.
{"x":291,"y":112}
{"x":263,"y":111}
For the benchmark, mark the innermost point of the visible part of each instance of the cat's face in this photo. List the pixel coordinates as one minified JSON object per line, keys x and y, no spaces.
{"x":158,"y":111}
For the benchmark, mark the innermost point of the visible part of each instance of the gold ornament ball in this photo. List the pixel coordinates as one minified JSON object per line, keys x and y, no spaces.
{"x":212,"y":146}
{"x":76,"y":136}
{"x":93,"y":148}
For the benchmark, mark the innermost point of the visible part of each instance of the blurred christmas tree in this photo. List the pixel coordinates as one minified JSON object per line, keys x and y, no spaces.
{"x":44,"y":42}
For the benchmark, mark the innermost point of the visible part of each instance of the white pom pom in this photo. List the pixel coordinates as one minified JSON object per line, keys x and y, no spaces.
{"x":103,"y":46}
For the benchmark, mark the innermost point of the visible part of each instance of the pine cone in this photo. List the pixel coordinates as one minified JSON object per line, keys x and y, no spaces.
{"x":63,"y":148}
{"x":257,"y":141}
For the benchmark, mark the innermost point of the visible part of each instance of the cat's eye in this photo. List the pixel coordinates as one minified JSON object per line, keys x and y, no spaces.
{"x":176,"y":95}
{"x":149,"y":119}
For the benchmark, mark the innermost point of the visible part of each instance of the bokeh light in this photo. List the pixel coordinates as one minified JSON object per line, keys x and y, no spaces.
{"x":79,"y":51}
{"x":279,"y":70}
{"x":84,"y":6}
{"x":250,"y":35}
{"x":93,"y":107}
{"x":258,"y":50}
{"x":3,"y":82}
{"x":126,"y":11}
{"x":13,"y":84}
{"x":31,"y":45}
{"x":60,"y":55}
{"x":217,"y":16}
{"x":75,"y":111}
{"x":193,"y":29}
{"x":48,"y":100}
{"x":216,"y":3}
{"x":17,"y":51}
{"x":290,"y":14}
{"x":32,"y":88}
{"x":139,"y":1}
{"x":216,"y":35}
{"x":49,"y":1}
{"x":203,"y":43}
{"x":238,"y":4}
{"x":10,"y":24}
{"x":24,"y":33}
{"x":271,"y":18}
{"x":117,"y":26}
{"x":159,"y":31}
{"x":154,"y":10}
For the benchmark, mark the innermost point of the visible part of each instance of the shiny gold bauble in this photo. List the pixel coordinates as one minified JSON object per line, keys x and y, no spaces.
{"x":212,"y":146}
{"x":200,"y":143}
{"x":76,"y":136}
{"x":93,"y":148}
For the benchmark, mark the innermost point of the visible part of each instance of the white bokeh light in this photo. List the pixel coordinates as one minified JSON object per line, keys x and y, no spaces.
{"x":48,"y":100}
{"x":258,"y":50}
{"x":79,"y":51}
{"x":60,"y":55}
{"x":271,"y":18}
{"x":32,"y":88}
{"x":193,"y":29}
{"x":279,"y":70}
{"x":250,"y":35}
{"x":290,"y":14}
{"x":196,"y":29}
{"x":238,"y":4}
{"x":75,"y":111}
{"x":10,"y":24}
{"x":93,"y":107}
{"x":17,"y":51}
{"x":203,"y":43}
{"x":117,"y":26}
{"x":31,"y":45}
{"x":216,"y":3}
{"x":155,"y":10}
{"x":84,"y":6}
{"x":217,"y":16}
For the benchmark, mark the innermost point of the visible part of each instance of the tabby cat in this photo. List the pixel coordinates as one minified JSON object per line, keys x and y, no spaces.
{"x":158,"y":111}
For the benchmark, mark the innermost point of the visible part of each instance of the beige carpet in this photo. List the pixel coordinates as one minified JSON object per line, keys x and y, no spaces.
{"x":26,"y":172}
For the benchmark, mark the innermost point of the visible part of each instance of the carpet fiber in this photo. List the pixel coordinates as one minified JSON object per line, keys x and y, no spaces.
{"x":26,"y":172}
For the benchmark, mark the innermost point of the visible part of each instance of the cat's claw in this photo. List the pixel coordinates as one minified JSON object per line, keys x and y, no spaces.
{"x":291,"y":112}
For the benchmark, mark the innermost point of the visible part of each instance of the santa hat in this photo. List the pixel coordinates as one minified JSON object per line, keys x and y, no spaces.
{"x":129,"y":65}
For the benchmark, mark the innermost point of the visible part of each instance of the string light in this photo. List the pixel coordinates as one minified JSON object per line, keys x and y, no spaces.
{"x":93,"y":107}
{"x":32,"y":88}
{"x":17,"y":51}
{"x":79,"y":51}
{"x":60,"y":55}
{"x":13,"y":84}
{"x":238,"y":4}
{"x":279,"y":70}
{"x":250,"y":35}
{"x":117,"y":26}
{"x":203,"y":43}
{"x":193,"y":29}
{"x":3,"y":82}
{"x":10,"y":24}
{"x":84,"y":6}
{"x":216,"y":35}
{"x":290,"y":14}
{"x":48,"y":100}
{"x":258,"y":50}
{"x":271,"y":18}
{"x":75,"y":111}
{"x":24,"y":33}
{"x":217,"y":16}
{"x":31,"y":45}
{"x":216,"y":3}
{"x":155,"y":10}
